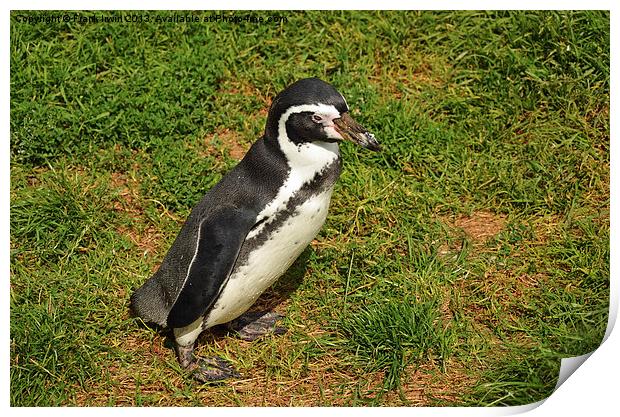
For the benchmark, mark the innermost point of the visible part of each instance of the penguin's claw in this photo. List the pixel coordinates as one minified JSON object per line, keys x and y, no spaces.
{"x":252,"y":325}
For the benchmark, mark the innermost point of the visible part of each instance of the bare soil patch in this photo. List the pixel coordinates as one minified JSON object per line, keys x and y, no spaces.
{"x":230,"y":142}
{"x":481,"y":226}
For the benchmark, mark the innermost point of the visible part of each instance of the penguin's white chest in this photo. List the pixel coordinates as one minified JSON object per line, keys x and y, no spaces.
{"x":270,"y":259}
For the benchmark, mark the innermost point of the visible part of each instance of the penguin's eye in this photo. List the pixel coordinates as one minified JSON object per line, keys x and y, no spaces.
{"x":316,"y":118}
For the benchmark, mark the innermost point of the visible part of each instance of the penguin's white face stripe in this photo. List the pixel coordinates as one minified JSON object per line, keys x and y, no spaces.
{"x":327,"y":112}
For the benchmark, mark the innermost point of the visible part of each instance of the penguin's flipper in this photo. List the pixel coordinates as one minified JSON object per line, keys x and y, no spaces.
{"x":219,"y":240}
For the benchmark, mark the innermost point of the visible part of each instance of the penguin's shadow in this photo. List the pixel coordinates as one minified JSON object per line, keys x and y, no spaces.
{"x":268,"y":301}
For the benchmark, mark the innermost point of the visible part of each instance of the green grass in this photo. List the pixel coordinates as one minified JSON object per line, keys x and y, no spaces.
{"x":456,"y":267}
{"x":390,"y":336}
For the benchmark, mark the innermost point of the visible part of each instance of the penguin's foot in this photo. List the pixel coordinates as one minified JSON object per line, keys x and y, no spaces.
{"x":211,"y":369}
{"x":252,"y":325}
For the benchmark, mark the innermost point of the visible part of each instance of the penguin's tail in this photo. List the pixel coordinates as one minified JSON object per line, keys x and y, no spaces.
{"x":149,"y":302}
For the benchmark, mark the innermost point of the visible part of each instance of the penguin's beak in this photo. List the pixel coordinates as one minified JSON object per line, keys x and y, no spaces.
{"x":352,"y":131}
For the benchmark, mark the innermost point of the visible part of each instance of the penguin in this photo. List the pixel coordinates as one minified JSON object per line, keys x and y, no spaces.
{"x":251,"y":226}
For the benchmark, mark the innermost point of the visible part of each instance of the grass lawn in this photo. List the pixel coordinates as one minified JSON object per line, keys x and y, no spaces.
{"x":456,"y":267}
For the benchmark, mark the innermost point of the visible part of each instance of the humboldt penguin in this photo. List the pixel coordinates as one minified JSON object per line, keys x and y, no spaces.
{"x":250,"y":227}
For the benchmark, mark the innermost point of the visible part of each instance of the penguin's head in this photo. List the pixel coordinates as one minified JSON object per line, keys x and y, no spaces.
{"x":311,"y":110}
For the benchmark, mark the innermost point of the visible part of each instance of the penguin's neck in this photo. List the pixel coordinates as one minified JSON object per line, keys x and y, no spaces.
{"x":309,"y":161}
{"x":313,"y":168}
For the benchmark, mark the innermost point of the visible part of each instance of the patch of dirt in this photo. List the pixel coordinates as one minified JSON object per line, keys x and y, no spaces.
{"x":126,"y":381}
{"x":427,"y":384}
{"x":315,"y":385}
{"x":413,"y":73}
{"x":241,"y":87}
{"x":128,"y":196}
{"x":226,"y":141}
{"x":146,"y":239}
{"x":324,"y":383}
{"x":481,"y":226}
{"x":230,"y":141}
{"x":500,"y":294}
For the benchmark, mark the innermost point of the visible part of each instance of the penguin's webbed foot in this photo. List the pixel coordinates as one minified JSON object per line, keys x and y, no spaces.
{"x":252,"y":325}
{"x":211,"y":369}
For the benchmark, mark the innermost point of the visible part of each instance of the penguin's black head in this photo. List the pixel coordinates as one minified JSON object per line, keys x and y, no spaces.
{"x":311,"y":110}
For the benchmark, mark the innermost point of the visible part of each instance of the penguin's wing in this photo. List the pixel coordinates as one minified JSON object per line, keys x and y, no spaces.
{"x":219,"y":240}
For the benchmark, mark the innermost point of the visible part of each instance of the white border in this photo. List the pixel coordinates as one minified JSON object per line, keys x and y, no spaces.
{"x":593,"y":388}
